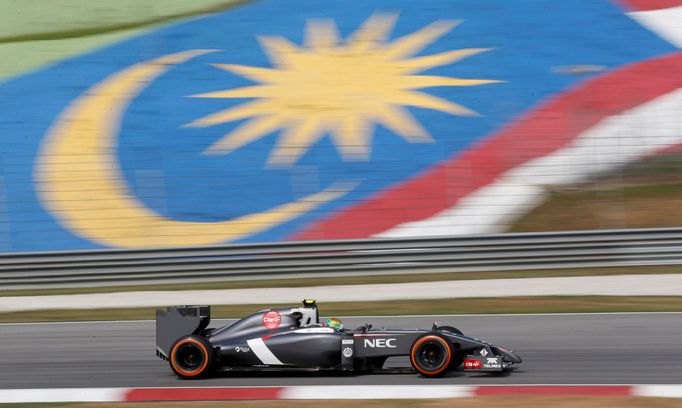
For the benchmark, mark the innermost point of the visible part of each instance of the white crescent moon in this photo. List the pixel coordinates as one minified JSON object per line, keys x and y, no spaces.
{"x":79,"y":181}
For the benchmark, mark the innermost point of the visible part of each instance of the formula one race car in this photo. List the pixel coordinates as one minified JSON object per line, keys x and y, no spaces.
{"x":293,"y":338}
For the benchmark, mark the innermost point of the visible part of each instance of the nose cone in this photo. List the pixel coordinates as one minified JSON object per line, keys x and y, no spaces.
{"x":508,"y":355}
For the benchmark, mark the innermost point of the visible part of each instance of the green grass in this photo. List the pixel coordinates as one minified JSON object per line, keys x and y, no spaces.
{"x":44,"y":404}
{"x":607,"y":206}
{"x":655,"y":168}
{"x":526,"y":304}
{"x":359,"y":280}
{"x":643,"y":194}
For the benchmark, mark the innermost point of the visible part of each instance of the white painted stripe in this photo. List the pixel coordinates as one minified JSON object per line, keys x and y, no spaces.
{"x":667,"y":23}
{"x":263,"y":352}
{"x":660,"y":391}
{"x":616,"y":140}
{"x":347,"y":392}
{"x":611,"y":285}
{"x":370,"y":392}
{"x":507,"y":315}
{"x":366,"y":317}
{"x":75,"y":322}
{"x":63,"y":395}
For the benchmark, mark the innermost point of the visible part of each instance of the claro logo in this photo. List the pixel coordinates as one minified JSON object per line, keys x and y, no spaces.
{"x":380,"y":343}
{"x":272,"y":319}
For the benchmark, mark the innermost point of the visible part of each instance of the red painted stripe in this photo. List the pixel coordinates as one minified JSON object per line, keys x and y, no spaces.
{"x":203,"y":394}
{"x":643,"y":5}
{"x":555,"y":391}
{"x":550,"y":126}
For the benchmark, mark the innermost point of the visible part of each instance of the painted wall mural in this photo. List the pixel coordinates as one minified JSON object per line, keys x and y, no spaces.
{"x":284,"y":120}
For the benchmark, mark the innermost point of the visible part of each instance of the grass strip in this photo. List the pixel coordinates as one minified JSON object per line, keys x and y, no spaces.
{"x":104,"y":29}
{"x":488,"y":402}
{"x":358,"y":280}
{"x":604,"y":206}
{"x":506,"y":305}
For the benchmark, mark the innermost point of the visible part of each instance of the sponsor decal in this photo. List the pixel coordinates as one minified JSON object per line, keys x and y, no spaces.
{"x":242,"y":349}
{"x":472,"y":364}
{"x":271,"y":320}
{"x":484,"y":352}
{"x":347,"y":352}
{"x":380,"y":343}
{"x":350,"y":341}
{"x":492,"y":362}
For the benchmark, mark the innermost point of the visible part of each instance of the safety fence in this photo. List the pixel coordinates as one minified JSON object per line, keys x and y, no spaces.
{"x":500,"y":252}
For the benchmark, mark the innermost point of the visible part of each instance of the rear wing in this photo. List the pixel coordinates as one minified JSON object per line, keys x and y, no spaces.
{"x":176,"y":322}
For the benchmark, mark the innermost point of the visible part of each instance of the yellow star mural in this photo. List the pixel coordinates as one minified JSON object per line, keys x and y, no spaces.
{"x":340,"y":88}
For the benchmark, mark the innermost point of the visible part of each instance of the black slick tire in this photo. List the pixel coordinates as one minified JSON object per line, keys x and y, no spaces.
{"x":431,"y":355}
{"x":191,"y":357}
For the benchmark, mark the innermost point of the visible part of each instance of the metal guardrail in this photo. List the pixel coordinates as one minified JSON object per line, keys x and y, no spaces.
{"x":511,"y":251}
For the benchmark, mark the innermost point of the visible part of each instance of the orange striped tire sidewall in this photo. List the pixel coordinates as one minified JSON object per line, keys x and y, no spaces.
{"x":194,"y":373}
{"x":425,"y":339}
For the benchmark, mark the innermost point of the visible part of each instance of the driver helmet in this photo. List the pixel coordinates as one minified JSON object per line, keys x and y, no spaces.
{"x":334,"y":323}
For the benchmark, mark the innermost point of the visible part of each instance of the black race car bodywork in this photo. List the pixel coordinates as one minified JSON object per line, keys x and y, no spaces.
{"x":292,"y":338}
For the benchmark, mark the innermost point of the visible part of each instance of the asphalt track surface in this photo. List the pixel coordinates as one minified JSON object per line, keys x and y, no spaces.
{"x":557,"y":349}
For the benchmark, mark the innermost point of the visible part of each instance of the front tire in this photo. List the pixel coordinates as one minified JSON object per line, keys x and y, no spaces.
{"x":431,"y":355}
{"x":191,"y":357}
{"x":457,"y":358}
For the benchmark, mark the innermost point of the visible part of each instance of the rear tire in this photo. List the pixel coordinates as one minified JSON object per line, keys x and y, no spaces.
{"x":191,"y":357}
{"x":431,"y":355}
